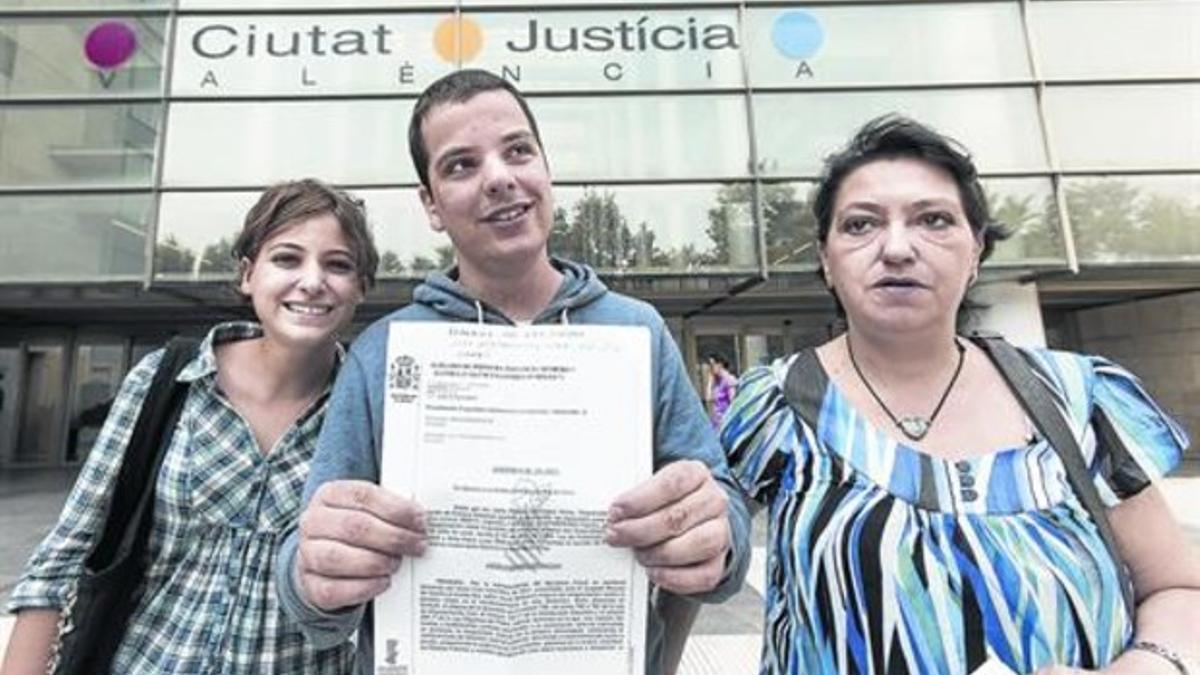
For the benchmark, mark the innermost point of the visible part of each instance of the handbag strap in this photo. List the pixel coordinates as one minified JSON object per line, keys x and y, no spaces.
{"x":134,"y":487}
{"x":1038,"y":402}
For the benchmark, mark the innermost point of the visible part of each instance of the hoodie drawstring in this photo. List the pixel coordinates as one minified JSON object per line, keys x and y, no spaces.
{"x":565,"y":321}
{"x":478,"y":312}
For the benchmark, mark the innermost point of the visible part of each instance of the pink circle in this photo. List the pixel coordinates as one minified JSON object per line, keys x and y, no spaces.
{"x":110,"y":44}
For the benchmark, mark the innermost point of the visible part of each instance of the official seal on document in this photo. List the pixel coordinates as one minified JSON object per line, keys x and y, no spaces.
{"x":404,"y":378}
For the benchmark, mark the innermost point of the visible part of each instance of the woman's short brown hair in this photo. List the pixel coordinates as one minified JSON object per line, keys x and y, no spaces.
{"x":287,"y":203}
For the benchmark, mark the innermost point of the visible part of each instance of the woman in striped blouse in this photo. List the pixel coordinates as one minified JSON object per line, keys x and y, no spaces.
{"x":918,"y":522}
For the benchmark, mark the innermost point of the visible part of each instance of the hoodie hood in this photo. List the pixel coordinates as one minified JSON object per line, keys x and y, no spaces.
{"x":442,"y":293}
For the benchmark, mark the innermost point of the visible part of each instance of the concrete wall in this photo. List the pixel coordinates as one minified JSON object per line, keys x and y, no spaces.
{"x":1159,"y":340}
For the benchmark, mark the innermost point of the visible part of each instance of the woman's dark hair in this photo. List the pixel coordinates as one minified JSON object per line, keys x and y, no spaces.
{"x":285,"y":204}
{"x":719,"y":358}
{"x":894,"y":136}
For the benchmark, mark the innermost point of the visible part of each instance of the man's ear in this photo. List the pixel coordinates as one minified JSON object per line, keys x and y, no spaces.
{"x":245,"y":268}
{"x":431,"y":209}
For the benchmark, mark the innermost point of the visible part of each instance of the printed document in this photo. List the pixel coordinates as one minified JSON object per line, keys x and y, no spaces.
{"x":515,"y":440}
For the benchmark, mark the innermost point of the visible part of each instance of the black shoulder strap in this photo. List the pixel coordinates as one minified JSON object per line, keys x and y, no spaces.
{"x":1035,"y":397}
{"x":134,"y":488}
{"x":805,"y":385}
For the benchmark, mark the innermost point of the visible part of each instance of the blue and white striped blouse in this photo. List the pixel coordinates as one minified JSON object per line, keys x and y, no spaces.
{"x":884,"y":559}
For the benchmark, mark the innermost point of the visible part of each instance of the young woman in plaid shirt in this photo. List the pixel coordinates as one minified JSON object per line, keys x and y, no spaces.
{"x":232,"y":477}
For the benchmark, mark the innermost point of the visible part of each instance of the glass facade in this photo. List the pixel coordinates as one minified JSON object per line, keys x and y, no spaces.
{"x":684,"y":138}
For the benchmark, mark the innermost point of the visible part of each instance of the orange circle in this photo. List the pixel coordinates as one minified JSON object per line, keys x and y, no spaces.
{"x":457,"y":39}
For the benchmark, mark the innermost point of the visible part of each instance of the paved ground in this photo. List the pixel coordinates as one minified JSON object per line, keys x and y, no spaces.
{"x":725,"y":640}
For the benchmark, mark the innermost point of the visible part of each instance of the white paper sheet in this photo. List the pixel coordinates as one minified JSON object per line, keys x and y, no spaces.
{"x":515,"y":441}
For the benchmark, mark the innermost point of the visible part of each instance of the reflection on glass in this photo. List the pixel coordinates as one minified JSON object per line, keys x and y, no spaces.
{"x":196,"y":231}
{"x":635,"y":137}
{"x":938,"y":42}
{"x":1135,"y":218}
{"x":92,"y":237}
{"x":610,"y":50}
{"x":1124,"y":38}
{"x":258,"y":143}
{"x":78,"y":145}
{"x":999,"y":126}
{"x":48,"y":56}
{"x":1026,"y":207}
{"x":1099,"y":127}
{"x":676,"y":228}
{"x":98,"y":371}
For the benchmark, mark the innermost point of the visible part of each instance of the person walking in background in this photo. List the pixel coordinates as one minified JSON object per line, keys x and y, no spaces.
{"x":233,"y":473}
{"x":719,"y":388}
{"x":919,"y":520}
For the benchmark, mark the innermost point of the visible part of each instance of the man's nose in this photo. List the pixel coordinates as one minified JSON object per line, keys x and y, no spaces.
{"x":498,"y":176}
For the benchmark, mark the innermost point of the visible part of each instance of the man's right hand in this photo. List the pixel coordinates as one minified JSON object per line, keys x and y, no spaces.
{"x":352,"y":536}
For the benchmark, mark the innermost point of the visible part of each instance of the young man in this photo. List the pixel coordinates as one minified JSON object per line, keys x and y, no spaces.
{"x":485,"y":182}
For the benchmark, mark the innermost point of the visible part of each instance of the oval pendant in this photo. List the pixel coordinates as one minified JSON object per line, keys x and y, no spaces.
{"x":914,"y":427}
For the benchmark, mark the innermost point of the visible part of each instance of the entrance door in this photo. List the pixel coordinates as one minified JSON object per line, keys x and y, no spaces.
{"x":99,"y":367}
{"x":10,"y":360}
{"x":40,"y":430}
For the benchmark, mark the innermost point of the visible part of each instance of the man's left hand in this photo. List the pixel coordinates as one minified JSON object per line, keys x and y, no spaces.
{"x":677,"y":522}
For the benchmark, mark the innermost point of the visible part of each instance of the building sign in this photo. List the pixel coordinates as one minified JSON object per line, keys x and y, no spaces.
{"x":323,"y":54}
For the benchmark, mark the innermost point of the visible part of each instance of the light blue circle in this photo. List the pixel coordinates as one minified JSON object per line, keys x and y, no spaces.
{"x":797,"y":35}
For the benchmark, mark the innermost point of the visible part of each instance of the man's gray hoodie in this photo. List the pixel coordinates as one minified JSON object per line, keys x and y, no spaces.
{"x":350,"y":442}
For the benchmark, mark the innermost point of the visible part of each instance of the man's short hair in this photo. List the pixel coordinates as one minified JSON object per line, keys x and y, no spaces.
{"x":457,"y":87}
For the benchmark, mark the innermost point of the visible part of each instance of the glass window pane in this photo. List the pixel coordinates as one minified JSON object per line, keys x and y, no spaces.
{"x":999,"y":126}
{"x":307,"y":54}
{"x":1127,"y":38}
{"x":91,"y":236}
{"x":615,"y":50}
{"x":73,"y":56}
{"x":1026,"y":206}
{"x":661,"y":228}
{"x":78,"y":4}
{"x":78,"y":145}
{"x":196,"y":232}
{"x":258,"y":143}
{"x":1135,"y":218}
{"x":446,"y":5}
{"x":886,"y":43}
{"x":791,"y":229}
{"x":1125,"y":126}
{"x":99,"y":367}
{"x":627,"y":137}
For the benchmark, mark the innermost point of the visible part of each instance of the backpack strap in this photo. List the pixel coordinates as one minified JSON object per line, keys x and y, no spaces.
{"x":133,"y":491}
{"x":805,"y":385}
{"x":1038,"y":402}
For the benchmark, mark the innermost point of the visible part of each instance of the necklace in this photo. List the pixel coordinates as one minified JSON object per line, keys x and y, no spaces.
{"x":913,"y":426}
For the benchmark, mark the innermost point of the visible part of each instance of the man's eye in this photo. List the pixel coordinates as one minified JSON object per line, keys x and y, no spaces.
{"x":457,"y":166}
{"x":521,"y":150}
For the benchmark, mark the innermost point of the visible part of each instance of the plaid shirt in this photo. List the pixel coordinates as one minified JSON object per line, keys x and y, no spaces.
{"x":222,"y":506}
